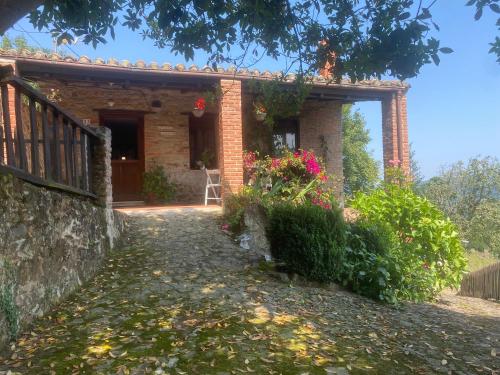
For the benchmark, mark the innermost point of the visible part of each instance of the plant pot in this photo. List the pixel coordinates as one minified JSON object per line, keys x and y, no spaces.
{"x":260,"y":116}
{"x":151,"y":199}
{"x":198,"y":112}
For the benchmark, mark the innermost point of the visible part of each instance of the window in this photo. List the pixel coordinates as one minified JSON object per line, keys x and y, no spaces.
{"x":285,"y":135}
{"x":202,"y":142}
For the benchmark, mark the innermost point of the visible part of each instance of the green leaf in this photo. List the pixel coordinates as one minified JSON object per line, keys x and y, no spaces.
{"x":446,"y":50}
{"x":436,"y":59}
{"x":478,"y":14}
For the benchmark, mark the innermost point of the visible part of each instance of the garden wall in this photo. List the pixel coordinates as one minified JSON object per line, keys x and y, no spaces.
{"x":50,"y":243}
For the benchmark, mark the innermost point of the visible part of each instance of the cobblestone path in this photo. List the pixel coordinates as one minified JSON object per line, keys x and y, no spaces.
{"x":179,"y":297}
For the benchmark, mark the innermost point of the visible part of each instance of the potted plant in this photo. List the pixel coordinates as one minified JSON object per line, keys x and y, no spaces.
{"x":157,"y":189}
{"x":260,"y":112}
{"x":199,"y":107}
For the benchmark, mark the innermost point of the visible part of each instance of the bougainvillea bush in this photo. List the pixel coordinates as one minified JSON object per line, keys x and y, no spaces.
{"x":296,"y":177}
{"x":426,"y":252}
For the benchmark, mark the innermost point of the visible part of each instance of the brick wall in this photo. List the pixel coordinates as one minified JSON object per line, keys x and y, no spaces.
{"x":166,"y":133}
{"x":395,"y":131}
{"x":230,"y":136}
{"x":321,"y":131}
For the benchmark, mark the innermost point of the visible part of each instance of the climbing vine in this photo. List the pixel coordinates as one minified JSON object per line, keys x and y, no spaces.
{"x":278,"y":98}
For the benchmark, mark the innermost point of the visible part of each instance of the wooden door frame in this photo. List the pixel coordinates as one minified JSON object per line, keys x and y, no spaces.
{"x":107,"y":114}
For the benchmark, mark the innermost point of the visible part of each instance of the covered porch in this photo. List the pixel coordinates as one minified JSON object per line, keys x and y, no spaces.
{"x":149,"y":109}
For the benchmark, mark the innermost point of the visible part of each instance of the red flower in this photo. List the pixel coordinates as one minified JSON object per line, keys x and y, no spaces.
{"x":200,"y":104}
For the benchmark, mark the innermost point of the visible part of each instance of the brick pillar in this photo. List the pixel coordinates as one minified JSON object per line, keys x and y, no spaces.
{"x":321,"y":131}
{"x":230,"y":137}
{"x":6,"y":71}
{"x":11,"y":92}
{"x":395,"y":131}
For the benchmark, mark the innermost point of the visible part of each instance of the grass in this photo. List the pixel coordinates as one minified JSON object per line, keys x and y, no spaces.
{"x":478,"y":259}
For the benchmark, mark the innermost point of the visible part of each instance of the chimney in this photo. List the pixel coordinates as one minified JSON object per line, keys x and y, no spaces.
{"x":326,"y":70}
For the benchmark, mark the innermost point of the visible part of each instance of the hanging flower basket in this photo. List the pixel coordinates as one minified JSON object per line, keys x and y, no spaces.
{"x":260,"y":112}
{"x":199,"y":107}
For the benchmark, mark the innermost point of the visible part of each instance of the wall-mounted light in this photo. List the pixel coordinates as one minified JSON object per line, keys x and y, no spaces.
{"x":111,"y":103}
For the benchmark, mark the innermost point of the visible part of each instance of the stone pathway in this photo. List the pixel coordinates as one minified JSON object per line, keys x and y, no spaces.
{"x":180,"y":298}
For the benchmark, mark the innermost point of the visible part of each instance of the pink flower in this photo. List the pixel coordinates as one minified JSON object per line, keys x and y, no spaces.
{"x":296,"y":154}
{"x":313,"y":167}
{"x":394,"y":162}
{"x":275,"y":163}
{"x":225,"y":226}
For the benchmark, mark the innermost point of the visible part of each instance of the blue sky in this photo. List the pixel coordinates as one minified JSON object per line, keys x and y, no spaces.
{"x":453,"y":108}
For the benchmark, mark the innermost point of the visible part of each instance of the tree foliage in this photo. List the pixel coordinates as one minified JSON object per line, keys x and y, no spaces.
{"x":484,"y":229}
{"x":469,"y":195}
{"x":360,"y":168}
{"x":19,"y":43}
{"x":493,"y":6}
{"x":360,"y":39}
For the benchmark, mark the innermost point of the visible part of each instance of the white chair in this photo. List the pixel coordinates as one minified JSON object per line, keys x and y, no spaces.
{"x":214,"y":185}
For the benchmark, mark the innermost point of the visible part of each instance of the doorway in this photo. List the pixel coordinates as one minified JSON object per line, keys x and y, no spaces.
{"x":127,"y":153}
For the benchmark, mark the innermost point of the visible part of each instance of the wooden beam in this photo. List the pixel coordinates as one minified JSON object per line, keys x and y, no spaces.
{"x":35,"y":159}
{"x":57,"y":146}
{"x":16,"y":172}
{"x":46,"y":144}
{"x":21,"y":145}
{"x":9,"y":143}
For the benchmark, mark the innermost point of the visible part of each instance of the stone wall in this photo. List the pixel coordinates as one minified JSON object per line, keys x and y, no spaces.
{"x":50,"y":243}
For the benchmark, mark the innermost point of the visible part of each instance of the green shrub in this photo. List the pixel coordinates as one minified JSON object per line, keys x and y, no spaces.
{"x":370,"y":267}
{"x":234,"y":209}
{"x":310,"y":240}
{"x":427,"y":250}
{"x":156,"y":186}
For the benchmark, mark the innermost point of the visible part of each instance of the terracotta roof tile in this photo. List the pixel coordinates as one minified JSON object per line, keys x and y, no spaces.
{"x":193,"y":69}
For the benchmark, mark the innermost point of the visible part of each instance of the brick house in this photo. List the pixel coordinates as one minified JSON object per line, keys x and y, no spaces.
{"x":148,"y":108}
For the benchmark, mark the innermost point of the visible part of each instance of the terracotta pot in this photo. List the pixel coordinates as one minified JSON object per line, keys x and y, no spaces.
{"x":198,"y":112}
{"x":151,"y":199}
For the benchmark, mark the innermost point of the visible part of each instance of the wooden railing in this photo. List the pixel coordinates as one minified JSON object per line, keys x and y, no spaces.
{"x":483,"y":283}
{"x":41,"y":143}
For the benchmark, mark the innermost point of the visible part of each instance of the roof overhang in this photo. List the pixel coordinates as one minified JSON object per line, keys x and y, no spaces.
{"x":37,"y":65}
